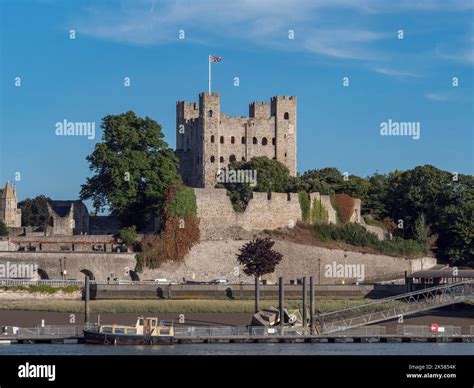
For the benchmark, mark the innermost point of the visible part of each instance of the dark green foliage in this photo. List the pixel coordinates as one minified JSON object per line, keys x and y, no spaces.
{"x":271,"y":176}
{"x":319,"y":214}
{"x":181,"y":202}
{"x":34,"y":211}
{"x":354,"y":234}
{"x":128,"y":235}
{"x":133,"y":167}
{"x":3,"y":229}
{"x":305,"y":205}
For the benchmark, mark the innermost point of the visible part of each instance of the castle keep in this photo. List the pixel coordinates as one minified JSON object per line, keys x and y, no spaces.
{"x":207,"y":140}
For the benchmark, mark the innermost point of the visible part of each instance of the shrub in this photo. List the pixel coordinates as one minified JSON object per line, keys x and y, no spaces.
{"x":3,"y":229}
{"x":345,"y":206}
{"x":128,"y":235}
{"x":305,"y":205}
{"x":319,"y":215}
{"x":180,"y":202}
{"x":180,"y":230}
{"x":371,"y":221}
{"x":354,"y":234}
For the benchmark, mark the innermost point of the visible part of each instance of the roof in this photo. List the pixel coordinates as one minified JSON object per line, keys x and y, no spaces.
{"x":9,"y":191}
{"x":443,"y":273}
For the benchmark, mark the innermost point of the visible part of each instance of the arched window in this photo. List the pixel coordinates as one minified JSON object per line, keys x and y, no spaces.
{"x":221,"y":159}
{"x":210,"y":113}
{"x":222,"y":140}
{"x":232,"y":139}
{"x":286,"y":116}
{"x":255,"y":140}
{"x":213,"y":159}
{"x":232,"y":158}
{"x":243,"y":140}
{"x":212,"y":138}
{"x":273,"y":141}
{"x":264,"y":141}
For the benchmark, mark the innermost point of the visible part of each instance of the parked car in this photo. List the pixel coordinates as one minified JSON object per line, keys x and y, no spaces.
{"x":220,"y":281}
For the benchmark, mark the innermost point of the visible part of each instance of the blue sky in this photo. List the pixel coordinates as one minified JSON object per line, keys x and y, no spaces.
{"x":406,"y":79}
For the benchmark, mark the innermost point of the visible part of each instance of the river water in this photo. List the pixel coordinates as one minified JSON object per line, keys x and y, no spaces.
{"x":245,"y":349}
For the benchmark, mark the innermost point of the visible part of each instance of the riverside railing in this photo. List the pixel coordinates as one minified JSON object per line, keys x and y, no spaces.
{"x":425,"y":331}
{"x":50,"y":331}
{"x":51,"y":283}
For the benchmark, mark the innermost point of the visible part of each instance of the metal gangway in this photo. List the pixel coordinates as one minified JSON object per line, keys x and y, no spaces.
{"x":394,"y":307}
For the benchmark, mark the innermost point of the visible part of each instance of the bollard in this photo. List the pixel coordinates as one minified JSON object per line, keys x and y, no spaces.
{"x":257,"y":294}
{"x":281,"y":296}
{"x":311,"y":305}
{"x":305,"y":314}
{"x":86,"y":300}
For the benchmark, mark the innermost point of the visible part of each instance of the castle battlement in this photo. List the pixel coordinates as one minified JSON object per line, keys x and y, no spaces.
{"x":207,"y":140}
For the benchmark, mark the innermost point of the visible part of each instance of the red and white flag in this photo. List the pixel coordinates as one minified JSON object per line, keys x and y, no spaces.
{"x":215,"y":59}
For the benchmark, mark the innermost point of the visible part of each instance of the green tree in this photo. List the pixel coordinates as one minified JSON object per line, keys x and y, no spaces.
{"x":272,"y":176}
{"x":34,"y":211}
{"x":133,"y":167}
{"x":128,"y":235}
{"x":3,"y":229}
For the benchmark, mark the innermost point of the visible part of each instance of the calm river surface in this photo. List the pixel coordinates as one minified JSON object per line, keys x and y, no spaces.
{"x":245,"y":349}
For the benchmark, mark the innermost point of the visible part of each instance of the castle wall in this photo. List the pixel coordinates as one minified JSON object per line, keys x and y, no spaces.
{"x":264,"y":211}
{"x":210,"y":260}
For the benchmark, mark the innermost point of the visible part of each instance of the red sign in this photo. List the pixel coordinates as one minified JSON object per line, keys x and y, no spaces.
{"x":434,"y":327}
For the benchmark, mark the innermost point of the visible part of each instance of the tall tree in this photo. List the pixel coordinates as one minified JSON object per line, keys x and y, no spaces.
{"x":133,"y":166}
{"x":258,"y":259}
{"x":34,"y":211}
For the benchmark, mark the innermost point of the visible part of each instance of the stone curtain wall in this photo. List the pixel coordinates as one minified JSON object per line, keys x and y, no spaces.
{"x":210,"y":260}
{"x":101,"y":265}
{"x":216,"y":213}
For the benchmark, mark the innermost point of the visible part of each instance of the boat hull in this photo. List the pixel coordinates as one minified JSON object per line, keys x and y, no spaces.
{"x":95,"y":337}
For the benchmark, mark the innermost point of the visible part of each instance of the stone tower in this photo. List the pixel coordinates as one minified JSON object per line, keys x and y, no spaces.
{"x":207,"y":140}
{"x":9,"y":213}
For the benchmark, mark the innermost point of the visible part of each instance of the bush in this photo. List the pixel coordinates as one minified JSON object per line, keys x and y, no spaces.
{"x":319,"y":215}
{"x":180,"y":230}
{"x":354,"y":234}
{"x":128,"y":235}
{"x":371,"y":221}
{"x":3,"y":229}
{"x":345,"y":206}
{"x":180,"y":202}
{"x":305,"y":205}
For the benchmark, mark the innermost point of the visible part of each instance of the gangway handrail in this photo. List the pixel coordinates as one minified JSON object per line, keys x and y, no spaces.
{"x":399,"y":296}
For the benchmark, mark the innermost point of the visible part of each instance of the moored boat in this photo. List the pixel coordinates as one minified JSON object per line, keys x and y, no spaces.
{"x":146,"y":331}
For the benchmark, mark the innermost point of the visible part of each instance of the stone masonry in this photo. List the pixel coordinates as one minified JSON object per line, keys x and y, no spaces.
{"x":207,"y":140}
{"x":9,"y":213}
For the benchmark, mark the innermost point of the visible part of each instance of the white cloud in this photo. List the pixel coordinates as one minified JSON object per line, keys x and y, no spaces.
{"x":439,"y":97}
{"x":400,"y":74}
{"x":317,"y":23}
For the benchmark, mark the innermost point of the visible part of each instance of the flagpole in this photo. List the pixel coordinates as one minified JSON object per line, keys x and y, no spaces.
{"x":209,"y":60}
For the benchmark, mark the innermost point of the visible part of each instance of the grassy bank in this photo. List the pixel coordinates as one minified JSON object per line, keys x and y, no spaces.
{"x":41,"y":288}
{"x":164,"y":306}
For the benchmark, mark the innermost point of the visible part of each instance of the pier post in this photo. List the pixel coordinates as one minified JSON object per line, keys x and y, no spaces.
{"x":305,"y":314}
{"x":311,"y":305}
{"x":86,"y":300}
{"x":281,"y":296}
{"x":257,"y":294}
